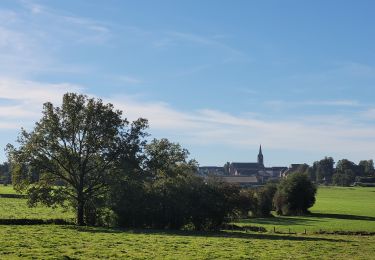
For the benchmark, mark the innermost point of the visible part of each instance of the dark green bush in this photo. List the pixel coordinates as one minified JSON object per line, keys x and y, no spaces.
{"x":295,"y":195}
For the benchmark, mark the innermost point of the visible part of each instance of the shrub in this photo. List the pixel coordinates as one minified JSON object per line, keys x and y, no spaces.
{"x":295,"y":195}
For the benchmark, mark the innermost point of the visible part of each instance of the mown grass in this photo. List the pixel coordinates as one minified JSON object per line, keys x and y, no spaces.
{"x":69,"y":242}
{"x":336,"y":208}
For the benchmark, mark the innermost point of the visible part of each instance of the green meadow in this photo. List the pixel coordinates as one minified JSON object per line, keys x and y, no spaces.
{"x":69,"y":242}
{"x":7,"y":189}
{"x":336,"y":209}
{"x":351,"y":209}
{"x":16,"y":208}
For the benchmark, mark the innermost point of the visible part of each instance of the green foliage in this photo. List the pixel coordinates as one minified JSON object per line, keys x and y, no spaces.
{"x":73,"y":154}
{"x":263,"y":200}
{"x":170,"y":195}
{"x":323,"y":170}
{"x":346,"y":172}
{"x":366,"y":168}
{"x":295,"y":195}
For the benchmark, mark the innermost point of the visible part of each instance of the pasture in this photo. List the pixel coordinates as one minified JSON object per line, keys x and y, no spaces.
{"x":16,"y":208}
{"x":342,"y":208}
{"x":69,"y":242}
{"x":336,"y":209}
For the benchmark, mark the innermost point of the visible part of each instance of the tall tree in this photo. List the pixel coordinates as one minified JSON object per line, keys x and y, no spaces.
{"x":346,"y":172}
{"x":75,"y":149}
{"x":366,"y":167}
{"x":323,"y":170}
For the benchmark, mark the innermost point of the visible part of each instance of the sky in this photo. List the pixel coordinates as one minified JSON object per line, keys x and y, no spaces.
{"x":218,"y":77}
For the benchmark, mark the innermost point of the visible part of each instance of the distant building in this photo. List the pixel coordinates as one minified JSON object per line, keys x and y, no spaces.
{"x":246,"y":181}
{"x":245,"y":173}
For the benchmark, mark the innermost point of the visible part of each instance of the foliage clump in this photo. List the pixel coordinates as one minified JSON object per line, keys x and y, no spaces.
{"x":170,"y":195}
{"x":295,"y":195}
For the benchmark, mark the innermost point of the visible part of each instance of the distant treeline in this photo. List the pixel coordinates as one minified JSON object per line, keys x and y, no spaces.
{"x":344,"y":173}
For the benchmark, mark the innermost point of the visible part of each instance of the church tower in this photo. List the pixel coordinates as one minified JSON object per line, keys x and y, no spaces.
{"x":260,"y":157}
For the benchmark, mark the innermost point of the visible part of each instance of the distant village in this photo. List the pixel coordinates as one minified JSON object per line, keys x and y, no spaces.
{"x":248,"y":173}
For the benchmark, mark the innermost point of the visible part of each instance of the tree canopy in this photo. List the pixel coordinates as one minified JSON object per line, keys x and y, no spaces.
{"x":73,"y":153}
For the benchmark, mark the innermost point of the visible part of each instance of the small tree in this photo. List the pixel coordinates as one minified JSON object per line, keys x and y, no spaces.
{"x":74,"y":150}
{"x":295,"y":195}
{"x":264,"y":200}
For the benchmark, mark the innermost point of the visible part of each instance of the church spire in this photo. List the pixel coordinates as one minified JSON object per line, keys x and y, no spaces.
{"x":260,"y":156}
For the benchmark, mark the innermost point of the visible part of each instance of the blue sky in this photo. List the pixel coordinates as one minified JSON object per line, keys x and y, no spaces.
{"x":219,"y":77}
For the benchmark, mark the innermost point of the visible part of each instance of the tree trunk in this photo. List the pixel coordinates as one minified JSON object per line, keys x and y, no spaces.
{"x":80,"y":211}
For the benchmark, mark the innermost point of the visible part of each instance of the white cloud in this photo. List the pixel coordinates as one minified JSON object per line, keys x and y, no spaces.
{"x":202,"y":127}
{"x":27,"y":98}
{"x":217,"y":127}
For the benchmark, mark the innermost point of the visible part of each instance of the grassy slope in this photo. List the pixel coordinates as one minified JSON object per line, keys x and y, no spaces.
{"x":336,"y":208}
{"x":50,"y":241}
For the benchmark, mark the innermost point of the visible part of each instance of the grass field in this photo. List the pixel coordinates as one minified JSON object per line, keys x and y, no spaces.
{"x":336,"y":208}
{"x":16,"y":208}
{"x":353,"y":208}
{"x":7,"y":189}
{"x":57,"y":242}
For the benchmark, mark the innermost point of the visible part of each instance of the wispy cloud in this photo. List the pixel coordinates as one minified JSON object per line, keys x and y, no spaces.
{"x":216,"y":127}
{"x":226,"y":52}
{"x":128,"y":79}
{"x":204,"y":40}
{"x":201,"y":126}
{"x":26,"y":98}
{"x":332,"y":103}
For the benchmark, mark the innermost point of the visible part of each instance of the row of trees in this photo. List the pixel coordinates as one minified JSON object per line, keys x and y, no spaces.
{"x":344,"y":174}
{"x":84,"y":155}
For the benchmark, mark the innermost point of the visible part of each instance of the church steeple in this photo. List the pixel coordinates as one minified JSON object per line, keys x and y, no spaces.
{"x":260,"y":156}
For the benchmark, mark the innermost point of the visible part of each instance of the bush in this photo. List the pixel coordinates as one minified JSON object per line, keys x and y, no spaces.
{"x":265,"y":200}
{"x":295,"y":195}
{"x":177,"y":202}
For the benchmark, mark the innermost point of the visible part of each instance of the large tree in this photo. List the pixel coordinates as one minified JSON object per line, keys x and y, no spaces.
{"x":74,"y":150}
{"x":366,"y":167}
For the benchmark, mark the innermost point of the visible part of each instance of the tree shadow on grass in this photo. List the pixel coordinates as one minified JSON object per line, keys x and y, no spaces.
{"x":342,"y":216}
{"x":210,"y":234}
